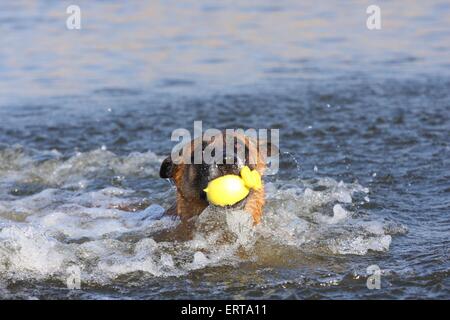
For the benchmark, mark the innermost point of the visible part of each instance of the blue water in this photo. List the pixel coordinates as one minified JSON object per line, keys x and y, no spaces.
{"x":86,"y":117}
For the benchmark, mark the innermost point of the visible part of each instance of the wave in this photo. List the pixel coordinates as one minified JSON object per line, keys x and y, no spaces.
{"x":64,"y":224}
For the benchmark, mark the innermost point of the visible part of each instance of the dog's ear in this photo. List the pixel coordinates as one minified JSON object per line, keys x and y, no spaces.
{"x":167,"y":167}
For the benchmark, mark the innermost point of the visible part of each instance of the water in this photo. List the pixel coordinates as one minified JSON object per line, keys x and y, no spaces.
{"x":86,"y":117}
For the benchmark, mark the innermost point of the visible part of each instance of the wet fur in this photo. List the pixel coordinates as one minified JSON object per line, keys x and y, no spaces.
{"x":186,"y":177}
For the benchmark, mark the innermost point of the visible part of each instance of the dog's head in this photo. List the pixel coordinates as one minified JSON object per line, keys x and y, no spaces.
{"x":207,"y":158}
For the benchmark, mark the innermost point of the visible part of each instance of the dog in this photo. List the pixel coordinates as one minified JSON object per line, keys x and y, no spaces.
{"x":191,"y":179}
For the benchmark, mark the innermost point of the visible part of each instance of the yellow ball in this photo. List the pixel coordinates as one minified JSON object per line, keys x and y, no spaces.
{"x":226,"y":190}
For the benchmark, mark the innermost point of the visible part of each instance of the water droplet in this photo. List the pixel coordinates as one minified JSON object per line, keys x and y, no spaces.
{"x":297,"y":164}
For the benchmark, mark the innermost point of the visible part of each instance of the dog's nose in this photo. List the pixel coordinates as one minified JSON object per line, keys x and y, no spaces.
{"x":214,"y":171}
{"x":218,"y":170}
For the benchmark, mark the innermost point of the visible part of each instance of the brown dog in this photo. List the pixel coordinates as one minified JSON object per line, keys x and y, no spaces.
{"x":191,"y":179}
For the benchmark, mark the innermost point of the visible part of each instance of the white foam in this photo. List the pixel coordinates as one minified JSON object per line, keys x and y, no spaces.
{"x":69,"y":224}
{"x":200,"y":261}
{"x":26,"y":251}
{"x":19,"y":166}
{"x":240,"y":223}
{"x":360,"y":245}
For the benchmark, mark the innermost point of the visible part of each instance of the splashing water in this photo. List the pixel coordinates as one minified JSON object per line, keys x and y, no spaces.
{"x":64,"y":215}
{"x":374,"y":111}
{"x":296,"y":162}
